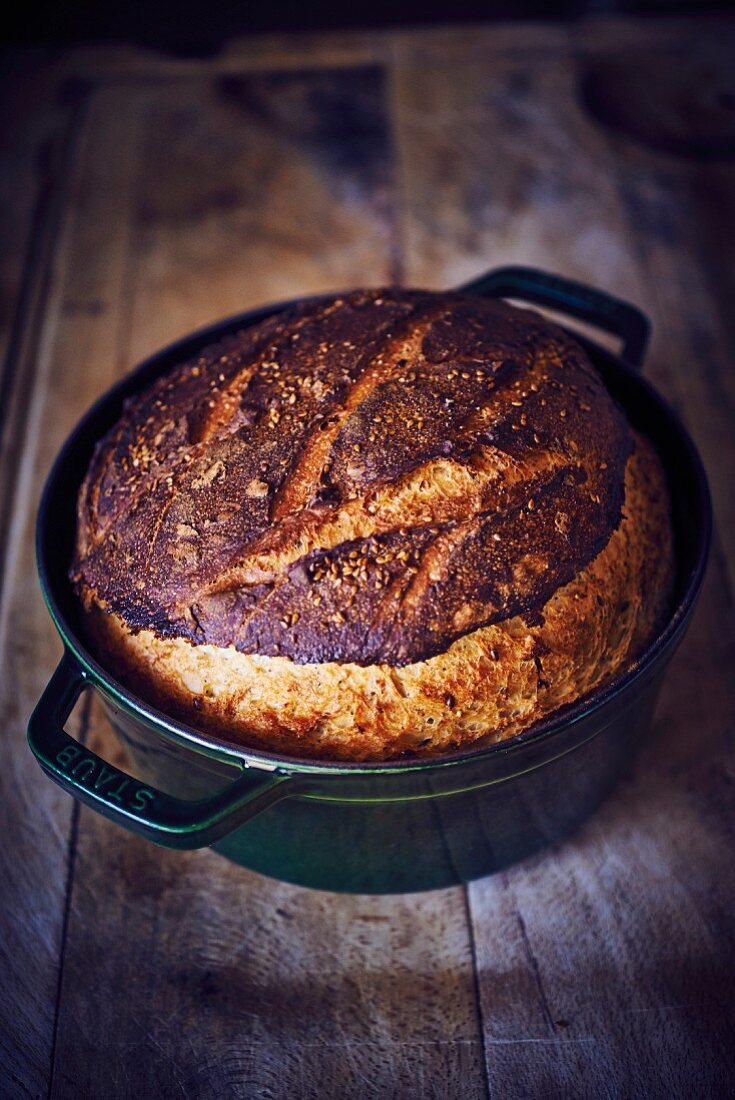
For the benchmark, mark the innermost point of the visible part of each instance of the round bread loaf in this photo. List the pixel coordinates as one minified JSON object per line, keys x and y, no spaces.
{"x":391,"y":522}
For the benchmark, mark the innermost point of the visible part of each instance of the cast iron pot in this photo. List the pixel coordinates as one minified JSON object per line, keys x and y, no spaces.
{"x":368,"y":828}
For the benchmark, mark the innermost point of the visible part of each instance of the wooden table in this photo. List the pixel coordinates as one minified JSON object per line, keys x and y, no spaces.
{"x":144,"y":197}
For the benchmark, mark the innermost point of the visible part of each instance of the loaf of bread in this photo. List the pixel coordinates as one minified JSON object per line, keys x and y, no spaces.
{"x":389,"y":523}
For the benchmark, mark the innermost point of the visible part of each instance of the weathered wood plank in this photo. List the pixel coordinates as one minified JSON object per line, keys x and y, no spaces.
{"x":239,"y":986}
{"x":500,"y":166}
{"x":268,"y":186}
{"x":35,"y":816}
{"x":678,"y":212}
{"x":681,"y":220}
{"x":218,"y":982}
{"x":265,"y":53}
{"x":604,"y":966}
{"x":31,"y":121}
{"x":37,"y":139}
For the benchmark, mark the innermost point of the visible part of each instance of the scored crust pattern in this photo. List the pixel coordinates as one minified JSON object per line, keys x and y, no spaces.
{"x":362,"y":480}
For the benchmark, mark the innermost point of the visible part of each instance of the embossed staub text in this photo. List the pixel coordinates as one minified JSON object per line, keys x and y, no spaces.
{"x":98,"y":776}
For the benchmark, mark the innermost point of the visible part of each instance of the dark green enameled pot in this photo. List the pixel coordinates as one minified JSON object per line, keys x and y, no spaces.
{"x":372,"y":828}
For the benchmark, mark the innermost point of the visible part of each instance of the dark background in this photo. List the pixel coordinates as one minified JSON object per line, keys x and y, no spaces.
{"x":198,"y":27}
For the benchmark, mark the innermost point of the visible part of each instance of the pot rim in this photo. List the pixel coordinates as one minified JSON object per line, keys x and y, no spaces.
{"x":213,"y":746}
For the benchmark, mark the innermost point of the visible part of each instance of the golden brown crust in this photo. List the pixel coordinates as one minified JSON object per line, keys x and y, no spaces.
{"x":489,"y":684}
{"x":362,"y":481}
{"x":393,"y":522}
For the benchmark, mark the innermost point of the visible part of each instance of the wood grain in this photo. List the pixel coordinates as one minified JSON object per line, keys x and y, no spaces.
{"x":303,"y":994}
{"x":73,"y":356}
{"x":269,"y":185}
{"x":638,"y":902}
{"x":240,"y":986}
{"x":184,"y":190}
{"x":34,"y":156}
{"x":524,"y":183}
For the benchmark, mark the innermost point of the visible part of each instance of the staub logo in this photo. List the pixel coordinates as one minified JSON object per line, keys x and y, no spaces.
{"x":97,"y":776}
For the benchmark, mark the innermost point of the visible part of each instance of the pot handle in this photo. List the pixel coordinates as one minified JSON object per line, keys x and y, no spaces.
{"x":613,"y":315}
{"x":173,"y":822}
